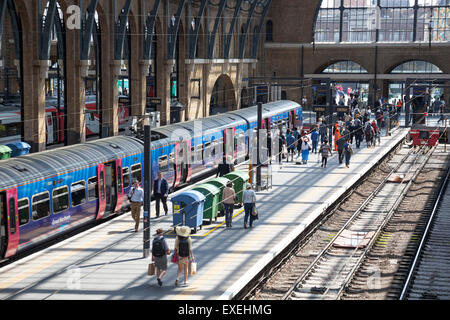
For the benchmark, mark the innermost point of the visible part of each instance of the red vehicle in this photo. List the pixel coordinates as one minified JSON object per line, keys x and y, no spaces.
{"x":423,"y":136}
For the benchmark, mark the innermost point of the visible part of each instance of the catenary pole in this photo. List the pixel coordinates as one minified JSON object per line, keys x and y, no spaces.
{"x":147,"y":187}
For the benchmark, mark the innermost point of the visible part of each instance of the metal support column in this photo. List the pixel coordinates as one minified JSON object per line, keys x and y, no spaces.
{"x":147,"y":187}
{"x":258,"y":148}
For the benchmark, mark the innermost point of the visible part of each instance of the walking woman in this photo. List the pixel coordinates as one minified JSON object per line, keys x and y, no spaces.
{"x":183,"y":249}
{"x":325,"y":150}
{"x":305,"y":150}
{"x":249,"y":198}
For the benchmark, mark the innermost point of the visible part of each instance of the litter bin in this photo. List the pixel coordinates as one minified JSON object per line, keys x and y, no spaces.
{"x":240,"y":179}
{"x":211,"y":193}
{"x":19,"y":148}
{"x":188,"y":209}
{"x":5,"y":152}
{"x":220,"y":183}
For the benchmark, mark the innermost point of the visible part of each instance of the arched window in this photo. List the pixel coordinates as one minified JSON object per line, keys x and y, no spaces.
{"x":383,"y":21}
{"x":416,"y":66}
{"x":344,"y":67}
{"x":269,"y":30}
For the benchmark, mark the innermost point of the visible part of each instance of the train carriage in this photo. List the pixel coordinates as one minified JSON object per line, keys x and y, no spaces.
{"x":45,"y":194}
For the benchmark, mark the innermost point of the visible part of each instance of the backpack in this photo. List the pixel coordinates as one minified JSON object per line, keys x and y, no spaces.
{"x":183,"y":247}
{"x":158,"y":247}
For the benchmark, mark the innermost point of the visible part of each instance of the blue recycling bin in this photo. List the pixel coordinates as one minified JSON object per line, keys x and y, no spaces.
{"x":188,"y":209}
{"x":19,"y":148}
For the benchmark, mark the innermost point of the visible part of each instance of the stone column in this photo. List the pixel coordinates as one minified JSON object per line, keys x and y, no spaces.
{"x":75,"y":89}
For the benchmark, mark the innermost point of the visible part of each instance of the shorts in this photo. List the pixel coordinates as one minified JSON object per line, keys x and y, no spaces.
{"x":161,"y":262}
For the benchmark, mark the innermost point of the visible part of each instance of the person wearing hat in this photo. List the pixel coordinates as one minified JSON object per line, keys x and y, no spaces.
{"x":160,"y":251}
{"x":228,"y":198}
{"x":249,"y":198}
{"x":183,"y":249}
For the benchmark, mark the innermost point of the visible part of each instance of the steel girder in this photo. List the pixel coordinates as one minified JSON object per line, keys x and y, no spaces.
{"x":173,"y":31}
{"x":9,"y":5}
{"x":149,"y":30}
{"x":193,"y":33}
{"x":212,"y":36}
{"x":87,"y":30}
{"x":243,"y":36}
{"x":229,"y":36}
{"x":45,"y":31}
{"x":120,"y":30}
{"x":257,"y":34}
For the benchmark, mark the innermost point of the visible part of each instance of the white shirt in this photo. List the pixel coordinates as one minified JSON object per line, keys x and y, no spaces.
{"x":138,"y":194}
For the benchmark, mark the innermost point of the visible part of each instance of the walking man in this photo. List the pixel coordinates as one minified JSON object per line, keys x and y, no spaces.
{"x":228,"y":197}
{"x":161,"y":191}
{"x":136,"y":196}
{"x":160,"y":251}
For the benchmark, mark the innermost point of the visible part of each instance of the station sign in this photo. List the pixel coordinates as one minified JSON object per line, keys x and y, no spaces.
{"x":157,"y":101}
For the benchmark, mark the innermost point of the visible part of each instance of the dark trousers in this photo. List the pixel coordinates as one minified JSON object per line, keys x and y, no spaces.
{"x":248,"y":207}
{"x":314,"y":146}
{"x":160,"y":197}
{"x":324,"y":161}
{"x":347,"y":158}
{"x":358,"y":139}
{"x":228,"y":207}
{"x":341,"y":155}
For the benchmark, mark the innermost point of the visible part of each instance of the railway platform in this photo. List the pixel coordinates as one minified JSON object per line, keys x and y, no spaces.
{"x":106,"y":262}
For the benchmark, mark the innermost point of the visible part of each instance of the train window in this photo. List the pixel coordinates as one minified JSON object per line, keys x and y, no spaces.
{"x":24,"y":211}
{"x":41,"y":206}
{"x":60,"y":199}
{"x":192,"y":155}
{"x":424,"y":135}
{"x":163,"y":164}
{"x":92,"y":188}
{"x":172,"y":161}
{"x":12,"y":215}
{"x":136,"y":172}
{"x":126,"y":177}
{"x":78,"y":193}
{"x":102,"y":186}
{"x":119,"y":180}
{"x":207,"y":153}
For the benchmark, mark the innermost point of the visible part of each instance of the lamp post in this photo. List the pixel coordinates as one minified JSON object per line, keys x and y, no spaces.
{"x":147,"y":185}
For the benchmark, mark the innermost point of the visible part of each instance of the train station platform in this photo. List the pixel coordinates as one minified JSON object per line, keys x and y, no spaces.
{"x":106,"y":262}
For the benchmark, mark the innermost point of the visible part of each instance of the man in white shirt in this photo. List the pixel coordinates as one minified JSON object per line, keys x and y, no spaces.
{"x":136,"y":196}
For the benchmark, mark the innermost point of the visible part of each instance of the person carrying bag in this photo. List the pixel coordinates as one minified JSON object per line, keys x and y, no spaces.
{"x":249,"y":198}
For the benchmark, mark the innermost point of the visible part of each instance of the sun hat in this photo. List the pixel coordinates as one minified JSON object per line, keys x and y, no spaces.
{"x":249,"y":185}
{"x":183,"y":231}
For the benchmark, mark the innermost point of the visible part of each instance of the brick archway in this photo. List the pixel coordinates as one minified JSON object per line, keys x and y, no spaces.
{"x":223,"y":97}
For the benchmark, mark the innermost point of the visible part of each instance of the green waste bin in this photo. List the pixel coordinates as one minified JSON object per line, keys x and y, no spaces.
{"x":5,"y":152}
{"x":240,"y":179}
{"x":220,"y":183}
{"x":211,"y":193}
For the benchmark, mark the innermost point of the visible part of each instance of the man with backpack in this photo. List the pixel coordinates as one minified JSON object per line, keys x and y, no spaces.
{"x":160,"y":251}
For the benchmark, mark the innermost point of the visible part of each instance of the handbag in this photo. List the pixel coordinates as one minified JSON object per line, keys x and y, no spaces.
{"x":192,"y":269}
{"x":255,"y":213}
{"x":151,"y":269}
{"x":174,"y":258}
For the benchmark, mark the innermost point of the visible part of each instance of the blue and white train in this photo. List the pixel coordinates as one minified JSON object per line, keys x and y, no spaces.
{"x":44,"y":195}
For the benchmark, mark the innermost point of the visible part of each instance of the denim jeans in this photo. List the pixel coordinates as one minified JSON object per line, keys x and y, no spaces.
{"x":228,"y":213}
{"x":248,"y":207}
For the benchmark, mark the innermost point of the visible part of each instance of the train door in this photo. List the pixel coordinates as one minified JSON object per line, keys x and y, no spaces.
{"x":230,"y":144}
{"x":50,"y":126}
{"x":9,"y":223}
{"x":188,"y":157}
{"x":179,"y":154}
{"x":110,"y":186}
{"x":119,"y":185}
{"x":101,"y":191}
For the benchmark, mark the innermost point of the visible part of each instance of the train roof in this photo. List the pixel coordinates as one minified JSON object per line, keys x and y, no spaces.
{"x":222,"y":121}
{"x":42,"y":165}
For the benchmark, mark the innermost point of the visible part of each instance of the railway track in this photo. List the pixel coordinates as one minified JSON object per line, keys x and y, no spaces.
{"x":329,"y":273}
{"x":325,"y":272}
{"x":429,"y":277}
